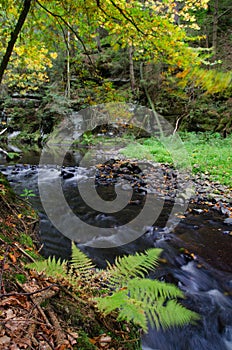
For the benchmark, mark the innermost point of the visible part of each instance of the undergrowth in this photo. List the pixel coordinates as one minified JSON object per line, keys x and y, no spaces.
{"x":125,"y":288}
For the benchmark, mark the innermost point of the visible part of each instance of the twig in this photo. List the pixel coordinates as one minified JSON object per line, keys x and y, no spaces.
{"x":8,"y":205}
{"x":177,"y":125}
{"x":2,"y":269}
{"x":40,"y":248}
{"x":178,"y":122}
{"x":31,"y":329}
{"x":129,"y":340}
{"x":74,"y":296}
{"x":27,"y":293}
{"x":33,"y":222}
{"x":23,"y":251}
{"x":59,"y":334}
{"x":3,"y":151}
{"x":47,"y":340}
{"x":37,"y":303}
{"x":2,"y":132}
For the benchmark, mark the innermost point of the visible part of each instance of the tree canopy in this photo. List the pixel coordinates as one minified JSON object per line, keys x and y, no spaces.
{"x":53,"y":32}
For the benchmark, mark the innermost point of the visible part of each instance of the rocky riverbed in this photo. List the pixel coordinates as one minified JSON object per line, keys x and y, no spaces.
{"x":167,"y":182}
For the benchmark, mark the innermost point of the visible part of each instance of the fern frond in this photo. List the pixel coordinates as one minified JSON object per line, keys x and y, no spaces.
{"x":160,"y":304}
{"x":129,"y":309}
{"x":146,"y":301}
{"x":81,"y":263}
{"x":170,"y":313}
{"x":127,"y":267}
{"x":50,"y":267}
{"x":146,"y":289}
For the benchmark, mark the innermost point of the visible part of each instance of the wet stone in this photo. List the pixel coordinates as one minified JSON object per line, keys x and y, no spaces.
{"x":228,"y":221}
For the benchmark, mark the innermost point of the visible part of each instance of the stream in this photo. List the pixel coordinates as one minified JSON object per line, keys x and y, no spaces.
{"x":196,"y":253}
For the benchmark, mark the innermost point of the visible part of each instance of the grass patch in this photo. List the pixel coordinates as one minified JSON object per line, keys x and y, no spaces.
{"x":208,"y":153}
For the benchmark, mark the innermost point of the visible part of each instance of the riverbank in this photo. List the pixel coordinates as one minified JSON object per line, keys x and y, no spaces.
{"x":169,"y":183}
{"x":39,"y":312}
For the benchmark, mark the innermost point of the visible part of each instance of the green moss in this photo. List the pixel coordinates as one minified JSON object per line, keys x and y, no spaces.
{"x":32,"y":253}
{"x":26,"y":240}
{"x":83,"y":342}
{"x":4,"y":238}
{"x":20,"y":277}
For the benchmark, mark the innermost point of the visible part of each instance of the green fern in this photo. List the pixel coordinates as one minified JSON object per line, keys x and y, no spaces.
{"x":135,"y":298}
{"x":127,"y":267}
{"x":81,"y":263}
{"x":81,"y":268}
{"x":50,"y":267}
{"x":144,"y":301}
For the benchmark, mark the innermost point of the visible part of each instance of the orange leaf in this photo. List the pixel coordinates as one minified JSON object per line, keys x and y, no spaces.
{"x":12,"y":257}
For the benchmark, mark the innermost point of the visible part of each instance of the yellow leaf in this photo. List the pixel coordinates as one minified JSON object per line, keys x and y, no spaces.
{"x":53,"y":55}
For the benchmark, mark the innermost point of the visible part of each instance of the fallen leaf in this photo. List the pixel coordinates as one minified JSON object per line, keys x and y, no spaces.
{"x":6,"y":266}
{"x":24,"y":343}
{"x":64,"y":346}
{"x":4,"y":340}
{"x":12,"y":257}
{"x":180,"y":216}
{"x":9,"y":314}
{"x":14,"y":347}
{"x":104,"y":341}
{"x":15,"y":300}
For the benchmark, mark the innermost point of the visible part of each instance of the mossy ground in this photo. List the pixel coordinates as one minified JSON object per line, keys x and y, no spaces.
{"x":207,"y":153}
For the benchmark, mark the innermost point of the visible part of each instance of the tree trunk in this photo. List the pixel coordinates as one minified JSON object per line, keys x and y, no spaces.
{"x":14,"y":36}
{"x":215,"y":25}
{"x":132,"y":73}
{"x":68,"y":86}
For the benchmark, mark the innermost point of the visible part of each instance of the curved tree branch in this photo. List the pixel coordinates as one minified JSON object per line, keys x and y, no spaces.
{"x":14,"y":36}
{"x":69,"y":27}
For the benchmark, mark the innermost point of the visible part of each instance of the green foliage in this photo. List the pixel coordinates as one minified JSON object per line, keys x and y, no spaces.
{"x":26,"y":240}
{"x":87,"y":138}
{"x":144,"y":300}
{"x":141,"y":300}
{"x":80,"y":269}
{"x":27,"y":193}
{"x":20,"y":277}
{"x":2,"y":191}
{"x":208,"y":153}
{"x":151,"y":149}
{"x":127,"y":267}
{"x":81,"y":263}
{"x":12,"y":155}
{"x":135,"y":298}
{"x":50,"y":267}
{"x":57,"y":36}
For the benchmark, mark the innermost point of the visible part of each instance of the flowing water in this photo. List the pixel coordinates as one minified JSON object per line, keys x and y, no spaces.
{"x":196,"y":255}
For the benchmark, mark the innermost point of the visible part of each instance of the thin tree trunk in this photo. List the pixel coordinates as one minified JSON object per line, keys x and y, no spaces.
{"x":14,"y":36}
{"x":68,"y":86}
{"x":156,"y":115}
{"x":215,"y":25}
{"x":132,"y":73}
